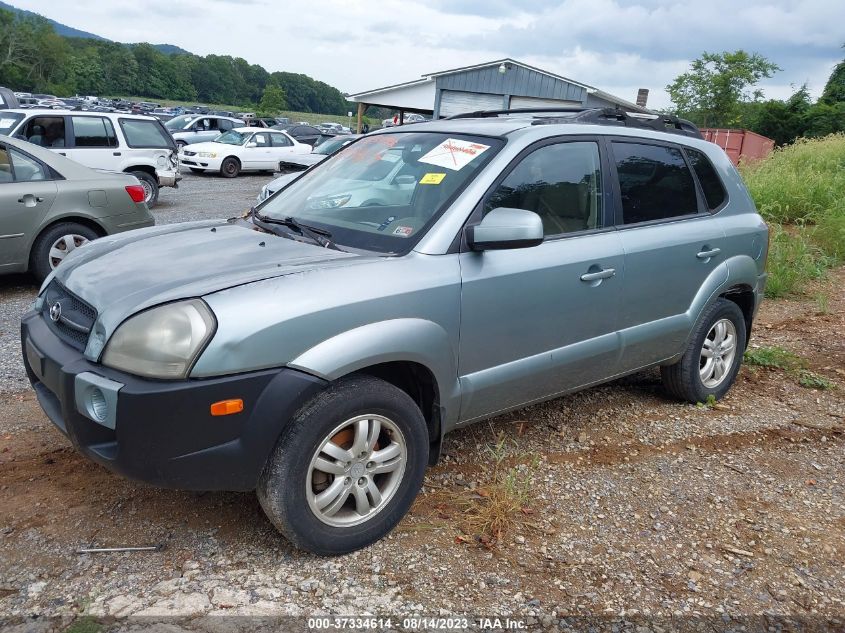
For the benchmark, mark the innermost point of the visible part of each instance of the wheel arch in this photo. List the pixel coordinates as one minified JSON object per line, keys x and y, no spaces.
{"x":83,"y":220}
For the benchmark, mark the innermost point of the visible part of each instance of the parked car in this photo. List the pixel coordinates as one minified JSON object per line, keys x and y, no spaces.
{"x":302,"y":132}
{"x":410,"y":117}
{"x":242,"y":149}
{"x":255,"y":121}
{"x":51,"y":205}
{"x":318,"y":352}
{"x":298,"y":163}
{"x":138,"y":145}
{"x":190,"y":128}
{"x":9,"y":99}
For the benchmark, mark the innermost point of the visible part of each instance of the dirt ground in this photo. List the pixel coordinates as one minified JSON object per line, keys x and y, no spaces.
{"x":629,"y":505}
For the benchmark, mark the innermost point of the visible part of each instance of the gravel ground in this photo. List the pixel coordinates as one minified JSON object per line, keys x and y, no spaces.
{"x":626,"y":508}
{"x":197,"y":198}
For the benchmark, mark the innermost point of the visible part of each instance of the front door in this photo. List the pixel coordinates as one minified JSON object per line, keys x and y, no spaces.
{"x":536,"y":322}
{"x":26,"y":195}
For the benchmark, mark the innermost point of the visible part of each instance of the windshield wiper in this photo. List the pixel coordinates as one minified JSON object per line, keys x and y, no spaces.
{"x":320,"y":236}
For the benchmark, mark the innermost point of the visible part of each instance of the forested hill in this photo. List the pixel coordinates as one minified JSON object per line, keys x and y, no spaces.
{"x":40,"y":59}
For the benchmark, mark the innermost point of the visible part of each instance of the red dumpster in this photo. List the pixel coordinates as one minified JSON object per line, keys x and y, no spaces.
{"x":739,"y":144}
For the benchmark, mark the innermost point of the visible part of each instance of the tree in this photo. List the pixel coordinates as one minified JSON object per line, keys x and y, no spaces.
{"x":273,"y":99}
{"x":834,"y":90}
{"x":716,"y":85}
{"x":781,"y":121}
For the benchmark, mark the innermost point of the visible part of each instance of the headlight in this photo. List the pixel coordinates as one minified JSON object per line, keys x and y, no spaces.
{"x":330,"y":203}
{"x":162,"y":342}
{"x":207,"y":154}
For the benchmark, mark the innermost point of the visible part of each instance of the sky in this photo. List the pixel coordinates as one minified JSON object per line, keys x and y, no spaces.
{"x":615,"y":45}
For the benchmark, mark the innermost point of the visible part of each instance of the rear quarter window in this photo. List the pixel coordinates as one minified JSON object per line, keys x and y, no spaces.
{"x":146,"y":134}
{"x":711,"y":184}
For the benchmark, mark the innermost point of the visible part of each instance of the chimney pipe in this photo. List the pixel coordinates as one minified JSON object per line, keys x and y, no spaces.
{"x":642,"y":97}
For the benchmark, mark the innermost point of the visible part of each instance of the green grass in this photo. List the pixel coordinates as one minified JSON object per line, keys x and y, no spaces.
{"x":774,"y":358}
{"x":800,"y":191}
{"x":812,"y":380}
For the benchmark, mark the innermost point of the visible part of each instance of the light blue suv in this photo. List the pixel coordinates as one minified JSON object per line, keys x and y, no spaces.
{"x":318,"y":349}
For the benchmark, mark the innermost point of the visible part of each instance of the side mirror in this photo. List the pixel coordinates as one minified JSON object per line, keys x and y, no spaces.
{"x":504,"y":228}
{"x":252,"y":144}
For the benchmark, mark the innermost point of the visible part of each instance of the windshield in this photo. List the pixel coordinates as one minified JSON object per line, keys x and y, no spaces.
{"x":179,"y":122}
{"x":8,"y":121}
{"x":331,"y":146}
{"x":383,"y":192}
{"x":232,"y":138}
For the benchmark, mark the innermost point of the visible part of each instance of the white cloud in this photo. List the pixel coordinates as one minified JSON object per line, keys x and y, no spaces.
{"x":615,"y":45}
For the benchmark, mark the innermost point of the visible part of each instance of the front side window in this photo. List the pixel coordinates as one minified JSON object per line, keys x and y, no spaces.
{"x":261,"y":140}
{"x":654,"y":181}
{"x":91,"y":131}
{"x":561,"y":183}
{"x":148,"y":134}
{"x":46,"y":131}
{"x":711,"y":184}
{"x":383,"y":192}
{"x":26,"y":169}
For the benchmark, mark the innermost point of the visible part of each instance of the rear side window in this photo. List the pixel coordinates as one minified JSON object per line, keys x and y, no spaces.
{"x":28,"y":169}
{"x":654,"y":181}
{"x":149,"y":134}
{"x":711,"y":184}
{"x":280,"y":140}
{"x":93,"y":131}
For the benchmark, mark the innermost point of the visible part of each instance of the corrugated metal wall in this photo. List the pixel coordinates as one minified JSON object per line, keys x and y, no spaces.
{"x":516,"y":81}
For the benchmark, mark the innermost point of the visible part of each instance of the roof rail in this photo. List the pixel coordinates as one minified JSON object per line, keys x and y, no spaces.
{"x":481,"y":114}
{"x":599,"y":116}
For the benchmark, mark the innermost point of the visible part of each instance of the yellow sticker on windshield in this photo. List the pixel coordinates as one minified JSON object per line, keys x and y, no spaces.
{"x":432,"y":179}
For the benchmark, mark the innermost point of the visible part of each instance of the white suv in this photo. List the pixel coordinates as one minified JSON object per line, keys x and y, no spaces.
{"x":134,"y":144}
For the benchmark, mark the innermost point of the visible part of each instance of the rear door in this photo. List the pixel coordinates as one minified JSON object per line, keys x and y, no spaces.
{"x":27,"y":191}
{"x":540,"y":321}
{"x":92,"y":141}
{"x":672,"y":245}
{"x":282,"y":147}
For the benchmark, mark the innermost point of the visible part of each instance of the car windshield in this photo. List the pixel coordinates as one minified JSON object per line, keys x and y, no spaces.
{"x":8,"y":121}
{"x":232,"y":138}
{"x":331,"y":146}
{"x":383,"y":192}
{"x":179,"y":122}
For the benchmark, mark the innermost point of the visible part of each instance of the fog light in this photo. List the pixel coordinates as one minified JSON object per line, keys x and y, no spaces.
{"x":97,"y":406}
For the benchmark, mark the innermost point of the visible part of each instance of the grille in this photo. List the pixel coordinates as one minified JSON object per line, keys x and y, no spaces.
{"x":75,"y":317}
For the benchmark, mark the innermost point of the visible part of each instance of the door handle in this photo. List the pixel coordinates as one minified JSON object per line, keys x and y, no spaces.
{"x":115,"y":153}
{"x":598,"y":275}
{"x":30,"y":198}
{"x":708,"y":254}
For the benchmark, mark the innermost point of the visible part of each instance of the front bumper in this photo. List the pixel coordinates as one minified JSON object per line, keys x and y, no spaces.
{"x":162,"y":432}
{"x":200,"y":162}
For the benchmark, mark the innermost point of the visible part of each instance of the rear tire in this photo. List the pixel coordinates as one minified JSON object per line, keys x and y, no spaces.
{"x":150,"y":185}
{"x":713,"y":356}
{"x":230,"y":167}
{"x":329,"y":496}
{"x":54,"y":244}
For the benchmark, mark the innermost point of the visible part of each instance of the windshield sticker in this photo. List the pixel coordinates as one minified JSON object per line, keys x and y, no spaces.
{"x":404,"y":231}
{"x":454,"y":154}
{"x":7,"y":122}
{"x":432,"y":179}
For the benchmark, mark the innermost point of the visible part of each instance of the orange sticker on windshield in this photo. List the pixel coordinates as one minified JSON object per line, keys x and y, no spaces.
{"x":432,"y":179}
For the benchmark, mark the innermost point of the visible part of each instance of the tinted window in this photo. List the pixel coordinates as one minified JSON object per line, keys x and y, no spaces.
{"x":46,"y":131}
{"x":90,"y":131}
{"x":224,"y":125}
{"x":141,"y":133}
{"x":560,"y":183}
{"x":26,"y":168}
{"x":655,"y":182}
{"x":711,"y":184}
{"x":280,"y":140}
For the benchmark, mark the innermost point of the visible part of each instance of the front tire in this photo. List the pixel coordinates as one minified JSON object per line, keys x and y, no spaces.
{"x":56,"y":243}
{"x":150,"y":185}
{"x":713,"y":356}
{"x":347,"y":468}
{"x":230,"y":167}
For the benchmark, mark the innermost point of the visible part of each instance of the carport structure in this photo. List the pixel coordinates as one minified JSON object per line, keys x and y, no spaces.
{"x":497,"y":85}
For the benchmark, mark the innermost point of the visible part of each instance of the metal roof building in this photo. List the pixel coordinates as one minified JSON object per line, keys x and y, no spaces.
{"x":495,"y":85}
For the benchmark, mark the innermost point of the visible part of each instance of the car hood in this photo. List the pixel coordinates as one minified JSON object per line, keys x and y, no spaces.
{"x":209,"y":146}
{"x":124,"y":274}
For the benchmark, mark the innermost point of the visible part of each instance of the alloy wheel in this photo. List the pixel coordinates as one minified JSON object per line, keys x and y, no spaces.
{"x":718,"y":353}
